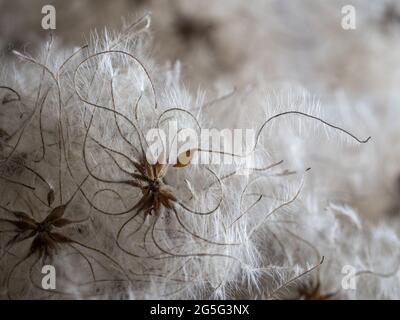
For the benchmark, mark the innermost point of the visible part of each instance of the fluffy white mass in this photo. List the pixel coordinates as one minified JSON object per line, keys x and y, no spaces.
{"x":78,"y":191}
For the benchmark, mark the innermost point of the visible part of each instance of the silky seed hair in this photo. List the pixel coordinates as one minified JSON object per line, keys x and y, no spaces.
{"x":183,"y":231}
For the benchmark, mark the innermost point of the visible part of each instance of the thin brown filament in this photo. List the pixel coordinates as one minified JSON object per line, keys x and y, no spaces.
{"x":246,"y":211}
{"x":290,"y":201}
{"x":41,"y":130}
{"x":379,"y":274}
{"x":56,"y":81}
{"x":80,"y":187}
{"x":123,"y":227}
{"x":13,"y":91}
{"x":277,"y":116}
{"x":22,"y":130}
{"x":198,"y":236}
{"x":219,"y":99}
{"x":308,"y":243}
{"x":137,"y":106}
{"x":74,"y":54}
{"x":112,"y":111}
{"x":135,"y":164}
{"x":117,"y":124}
{"x":296,"y":278}
{"x":98,"y":54}
{"x":17,"y":183}
{"x":311,"y":117}
{"x":129,"y":173}
{"x":231,"y":174}
{"x":86,"y":162}
{"x":174,"y":255}
{"x":212,"y":210}
{"x":21,"y":261}
{"x":131,"y":29}
{"x":104,"y":255}
{"x":37,"y":174}
{"x":86,"y":259}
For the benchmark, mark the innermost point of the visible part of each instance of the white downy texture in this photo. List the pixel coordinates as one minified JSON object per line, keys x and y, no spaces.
{"x":321,"y":224}
{"x":72,"y":125}
{"x":349,"y":247}
{"x":353,"y":72}
{"x":80,"y":139}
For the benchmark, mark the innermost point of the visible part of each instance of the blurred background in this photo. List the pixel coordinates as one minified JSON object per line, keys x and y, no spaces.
{"x":296,"y":40}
